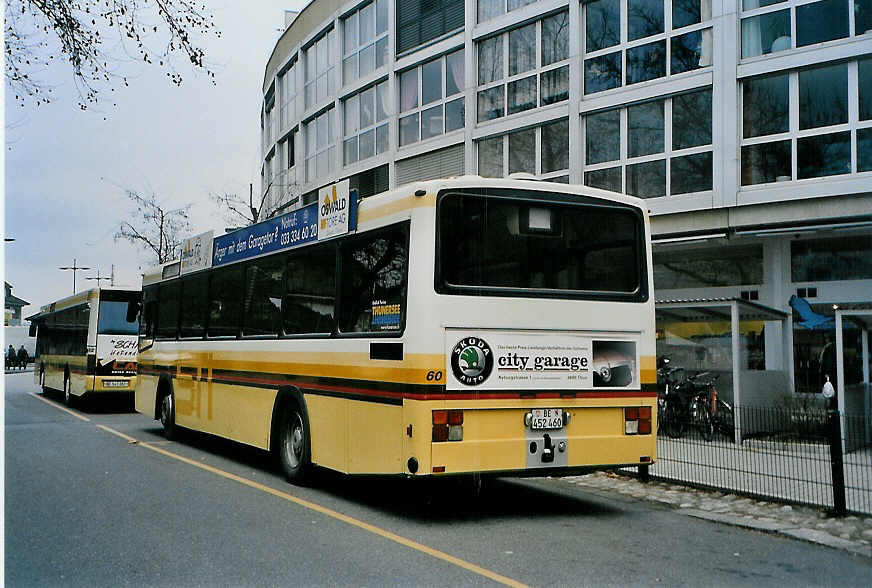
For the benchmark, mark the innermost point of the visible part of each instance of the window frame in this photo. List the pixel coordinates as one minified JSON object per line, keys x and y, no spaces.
{"x":374,"y":126}
{"x":312,"y":151}
{"x":442,"y":103}
{"x":506,"y":79}
{"x":791,"y":5}
{"x":355,"y":52}
{"x":668,"y":154}
{"x":505,"y":139}
{"x":668,"y":37}
{"x":315,"y":74}
{"x":794,"y":134}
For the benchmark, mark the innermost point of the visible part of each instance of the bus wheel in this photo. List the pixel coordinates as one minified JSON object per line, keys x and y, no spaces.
{"x":168,"y":415}
{"x":294,"y":445}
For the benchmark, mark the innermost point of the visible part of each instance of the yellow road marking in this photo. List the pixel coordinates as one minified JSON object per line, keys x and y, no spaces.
{"x":59,"y":407}
{"x":326,"y":511}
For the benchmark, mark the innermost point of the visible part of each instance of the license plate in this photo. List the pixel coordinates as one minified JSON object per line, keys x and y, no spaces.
{"x":115,"y":384}
{"x":546,"y":418}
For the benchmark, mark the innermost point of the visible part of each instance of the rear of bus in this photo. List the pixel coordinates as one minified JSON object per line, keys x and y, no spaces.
{"x":539,"y":297}
{"x":113,"y":363}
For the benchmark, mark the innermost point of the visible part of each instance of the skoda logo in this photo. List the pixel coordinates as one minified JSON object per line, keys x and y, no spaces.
{"x":471,"y":361}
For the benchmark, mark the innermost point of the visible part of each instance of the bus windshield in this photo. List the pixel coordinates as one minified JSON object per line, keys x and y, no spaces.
{"x":510,"y":246}
{"x":112,"y":317}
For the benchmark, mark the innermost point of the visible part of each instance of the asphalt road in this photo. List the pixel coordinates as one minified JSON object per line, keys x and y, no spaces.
{"x":97,"y":497}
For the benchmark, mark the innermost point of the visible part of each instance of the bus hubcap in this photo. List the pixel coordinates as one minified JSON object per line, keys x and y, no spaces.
{"x":166,"y":409}
{"x":294,"y":440}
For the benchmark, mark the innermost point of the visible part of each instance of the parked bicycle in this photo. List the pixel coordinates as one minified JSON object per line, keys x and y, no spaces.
{"x":689,"y":405}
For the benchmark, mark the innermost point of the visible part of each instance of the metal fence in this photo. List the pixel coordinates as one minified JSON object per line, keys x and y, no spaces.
{"x":802,"y":456}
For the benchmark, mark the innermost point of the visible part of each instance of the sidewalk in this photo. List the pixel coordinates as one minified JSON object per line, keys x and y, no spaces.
{"x":851,"y":533}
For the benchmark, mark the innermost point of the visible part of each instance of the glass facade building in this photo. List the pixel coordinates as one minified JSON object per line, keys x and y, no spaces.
{"x":746,"y":125}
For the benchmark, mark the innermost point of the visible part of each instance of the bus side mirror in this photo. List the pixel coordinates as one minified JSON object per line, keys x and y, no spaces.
{"x":132,"y":310}
{"x":31,"y":332}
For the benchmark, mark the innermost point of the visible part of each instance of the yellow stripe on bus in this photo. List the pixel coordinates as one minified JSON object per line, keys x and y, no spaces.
{"x":367,"y":215}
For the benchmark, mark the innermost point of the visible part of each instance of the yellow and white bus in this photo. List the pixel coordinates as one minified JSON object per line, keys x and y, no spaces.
{"x":86,"y":344}
{"x":452,"y":326}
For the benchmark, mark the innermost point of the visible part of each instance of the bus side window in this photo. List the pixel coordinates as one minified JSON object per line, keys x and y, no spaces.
{"x":194,"y":302}
{"x":225,"y":302}
{"x":168,"y":310}
{"x":373,"y":294}
{"x":264,"y":280}
{"x":148,"y":315}
{"x":309,"y":300}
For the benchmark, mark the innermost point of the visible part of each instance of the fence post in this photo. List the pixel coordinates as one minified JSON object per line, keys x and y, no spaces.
{"x":834,"y":434}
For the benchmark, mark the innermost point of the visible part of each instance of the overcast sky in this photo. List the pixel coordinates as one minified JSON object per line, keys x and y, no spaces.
{"x":66,"y":169}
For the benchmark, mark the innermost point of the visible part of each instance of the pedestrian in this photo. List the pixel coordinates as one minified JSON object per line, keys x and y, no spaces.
{"x":22,"y":357}
{"x":10,"y":357}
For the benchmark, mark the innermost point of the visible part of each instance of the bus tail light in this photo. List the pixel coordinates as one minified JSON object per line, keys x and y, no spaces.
{"x":637,"y":420}
{"x":447,"y":425}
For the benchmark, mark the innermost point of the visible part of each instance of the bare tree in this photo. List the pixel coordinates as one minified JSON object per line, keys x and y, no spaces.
{"x":157,"y":30}
{"x":236,"y":211}
{"x":154,"y":228}
{"x":275,"y":200}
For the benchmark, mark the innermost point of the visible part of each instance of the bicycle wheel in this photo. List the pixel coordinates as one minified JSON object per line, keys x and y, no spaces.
{"x":673,"y":423}
{"x":703,"y":419}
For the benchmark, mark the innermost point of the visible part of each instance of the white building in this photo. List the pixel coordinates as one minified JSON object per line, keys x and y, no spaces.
{"x":747,"y":124}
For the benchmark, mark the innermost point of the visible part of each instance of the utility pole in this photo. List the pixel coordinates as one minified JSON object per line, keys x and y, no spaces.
{"x":74,"y":269}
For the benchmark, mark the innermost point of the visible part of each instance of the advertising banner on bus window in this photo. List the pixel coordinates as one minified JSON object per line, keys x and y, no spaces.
{"x":196,"y":252}
{"x":503,"y":360}
{"x":116,"y":354}
{"x":287,"y":231}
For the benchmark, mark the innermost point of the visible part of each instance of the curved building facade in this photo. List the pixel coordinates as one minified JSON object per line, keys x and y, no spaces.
{"x":747,"y":124}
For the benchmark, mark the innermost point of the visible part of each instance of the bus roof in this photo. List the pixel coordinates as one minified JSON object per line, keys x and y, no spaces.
{"x":377,"y":209}
{"x":76,"y":299}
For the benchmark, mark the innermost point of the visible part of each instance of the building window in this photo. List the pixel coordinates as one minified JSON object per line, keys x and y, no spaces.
{"x":708,"y":267}
{"x":287,"y":83}
{"x":827,"y":260}
{"x":431,"y":99}
{"x":542,"y":151}
{"x":365,"y":41}
{"x":769,"y":27}
{"x":419,"y":21}
{"x":801,"y":124}
{"x":268,"y":121}
{"x":488,"y":9}
{"x":623,"y":51}
{"x":366,"y":123}
{"x":524,"y":68}
{"x":320,"y":146}
{"x":653,"y":148}
{"x":319,"y":70}
{"x":370,"y":182}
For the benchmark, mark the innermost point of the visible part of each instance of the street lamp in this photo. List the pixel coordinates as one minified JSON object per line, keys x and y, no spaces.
{"x":98,"y":277}
{"x":75,"y":269}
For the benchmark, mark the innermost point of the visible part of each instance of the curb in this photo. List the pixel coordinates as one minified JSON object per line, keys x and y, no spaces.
{"x":809,"y":535}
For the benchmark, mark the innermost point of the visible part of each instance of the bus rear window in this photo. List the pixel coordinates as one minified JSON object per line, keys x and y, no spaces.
{"x":112,"y":317}
{"x":507,"y":246}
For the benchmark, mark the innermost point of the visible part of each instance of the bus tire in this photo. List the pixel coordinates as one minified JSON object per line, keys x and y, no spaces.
{"x":168,"y":415}
{"x":295,"y":448}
